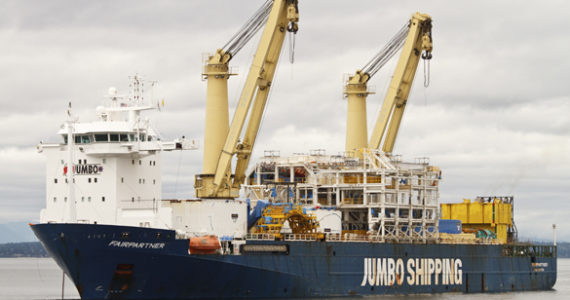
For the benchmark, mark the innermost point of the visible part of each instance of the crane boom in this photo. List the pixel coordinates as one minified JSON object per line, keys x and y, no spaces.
{"x":248,"y":141}
{"x":282,"y":18}
{"x":417,"y":41}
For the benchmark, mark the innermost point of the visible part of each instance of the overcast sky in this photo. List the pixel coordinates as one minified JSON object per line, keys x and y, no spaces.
{"x":494,"y":118}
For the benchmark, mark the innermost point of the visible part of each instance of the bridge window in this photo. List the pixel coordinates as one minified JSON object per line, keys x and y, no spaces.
{"x":124,"y":138}
{"x":113,"y":137}
{"x":82,"y":139}
{"x":101,"y":137}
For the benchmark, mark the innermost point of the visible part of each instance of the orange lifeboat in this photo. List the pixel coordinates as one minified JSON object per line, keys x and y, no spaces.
{"x":207,"y":244}
{"x":299,"y":172}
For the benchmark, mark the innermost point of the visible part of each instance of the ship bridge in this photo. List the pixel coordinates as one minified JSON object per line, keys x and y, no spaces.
{"x":116,"y":166}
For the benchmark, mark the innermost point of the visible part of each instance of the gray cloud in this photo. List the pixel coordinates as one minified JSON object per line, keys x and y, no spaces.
{"x":494,"y":117}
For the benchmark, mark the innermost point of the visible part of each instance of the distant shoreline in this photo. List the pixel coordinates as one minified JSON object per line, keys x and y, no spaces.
{"x":25,"y":249}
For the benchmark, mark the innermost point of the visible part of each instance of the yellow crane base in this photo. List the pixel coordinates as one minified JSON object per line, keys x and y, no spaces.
{"x":205,"y":188}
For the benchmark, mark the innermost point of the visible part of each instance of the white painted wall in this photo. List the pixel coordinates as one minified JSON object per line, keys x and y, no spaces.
{"x":122,"y":194}
{"x":215,"y":216}
{"x":330,"y":219}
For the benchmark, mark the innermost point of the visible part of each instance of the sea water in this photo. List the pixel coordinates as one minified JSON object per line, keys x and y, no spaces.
{"x":41,"y":278}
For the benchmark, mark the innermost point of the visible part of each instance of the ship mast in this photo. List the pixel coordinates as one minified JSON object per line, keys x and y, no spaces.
{"x":70,"y":215}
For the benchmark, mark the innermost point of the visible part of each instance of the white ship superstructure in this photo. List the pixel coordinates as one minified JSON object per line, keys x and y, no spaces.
{"x":116,"y":166}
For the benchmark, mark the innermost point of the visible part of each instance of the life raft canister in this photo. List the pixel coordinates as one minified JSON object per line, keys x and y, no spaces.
{"x":207,"y":244}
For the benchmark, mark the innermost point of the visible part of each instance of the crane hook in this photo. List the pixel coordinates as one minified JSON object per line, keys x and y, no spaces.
{"x":292,"y":27}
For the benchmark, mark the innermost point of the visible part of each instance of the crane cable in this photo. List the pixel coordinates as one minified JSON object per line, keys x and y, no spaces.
{"x":426,"y":72}
{"x":249,"y":29}
{"x":427,"y":56}
{"x":380,"y":59}
{"x":291,"y":46}
{"x":292,"y":29}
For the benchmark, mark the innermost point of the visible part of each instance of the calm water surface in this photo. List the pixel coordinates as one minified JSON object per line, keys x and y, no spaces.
{"x":40,"y":278}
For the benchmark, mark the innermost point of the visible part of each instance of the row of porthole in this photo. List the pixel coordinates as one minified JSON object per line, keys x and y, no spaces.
{"x":84,"y":161}
{"x":143,"y":181}
{"x":102,"y":199}
{"x":139,"y":199}
{"x":82,"y":199}
{"x":94,"y":180}
{"x":126,"y":235}
{"x":89,"y":180}
{"x":150,"y":162}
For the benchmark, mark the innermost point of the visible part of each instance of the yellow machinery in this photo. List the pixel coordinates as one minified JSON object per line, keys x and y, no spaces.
{"x":356,"y":92}
{"x":274,"y":217}
{"x":485,"y":213}
{"x":216,"y":72}
{"x":218,"y":180}
{"x":418,"y":43}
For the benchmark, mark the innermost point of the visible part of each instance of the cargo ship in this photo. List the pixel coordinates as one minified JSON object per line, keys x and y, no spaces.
{"x":362,"y":222}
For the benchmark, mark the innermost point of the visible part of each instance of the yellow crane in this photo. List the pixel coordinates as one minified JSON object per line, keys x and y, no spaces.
{"x":418,"y":44}
{"x":356,"y":91}
{"x":217,"y":73}
{"x":283,"y":17}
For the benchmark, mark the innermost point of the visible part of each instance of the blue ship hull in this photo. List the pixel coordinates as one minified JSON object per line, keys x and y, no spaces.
{"x":118,"y":262}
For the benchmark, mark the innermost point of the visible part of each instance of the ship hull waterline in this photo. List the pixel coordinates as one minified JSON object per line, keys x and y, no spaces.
{"x":121,"y":262}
